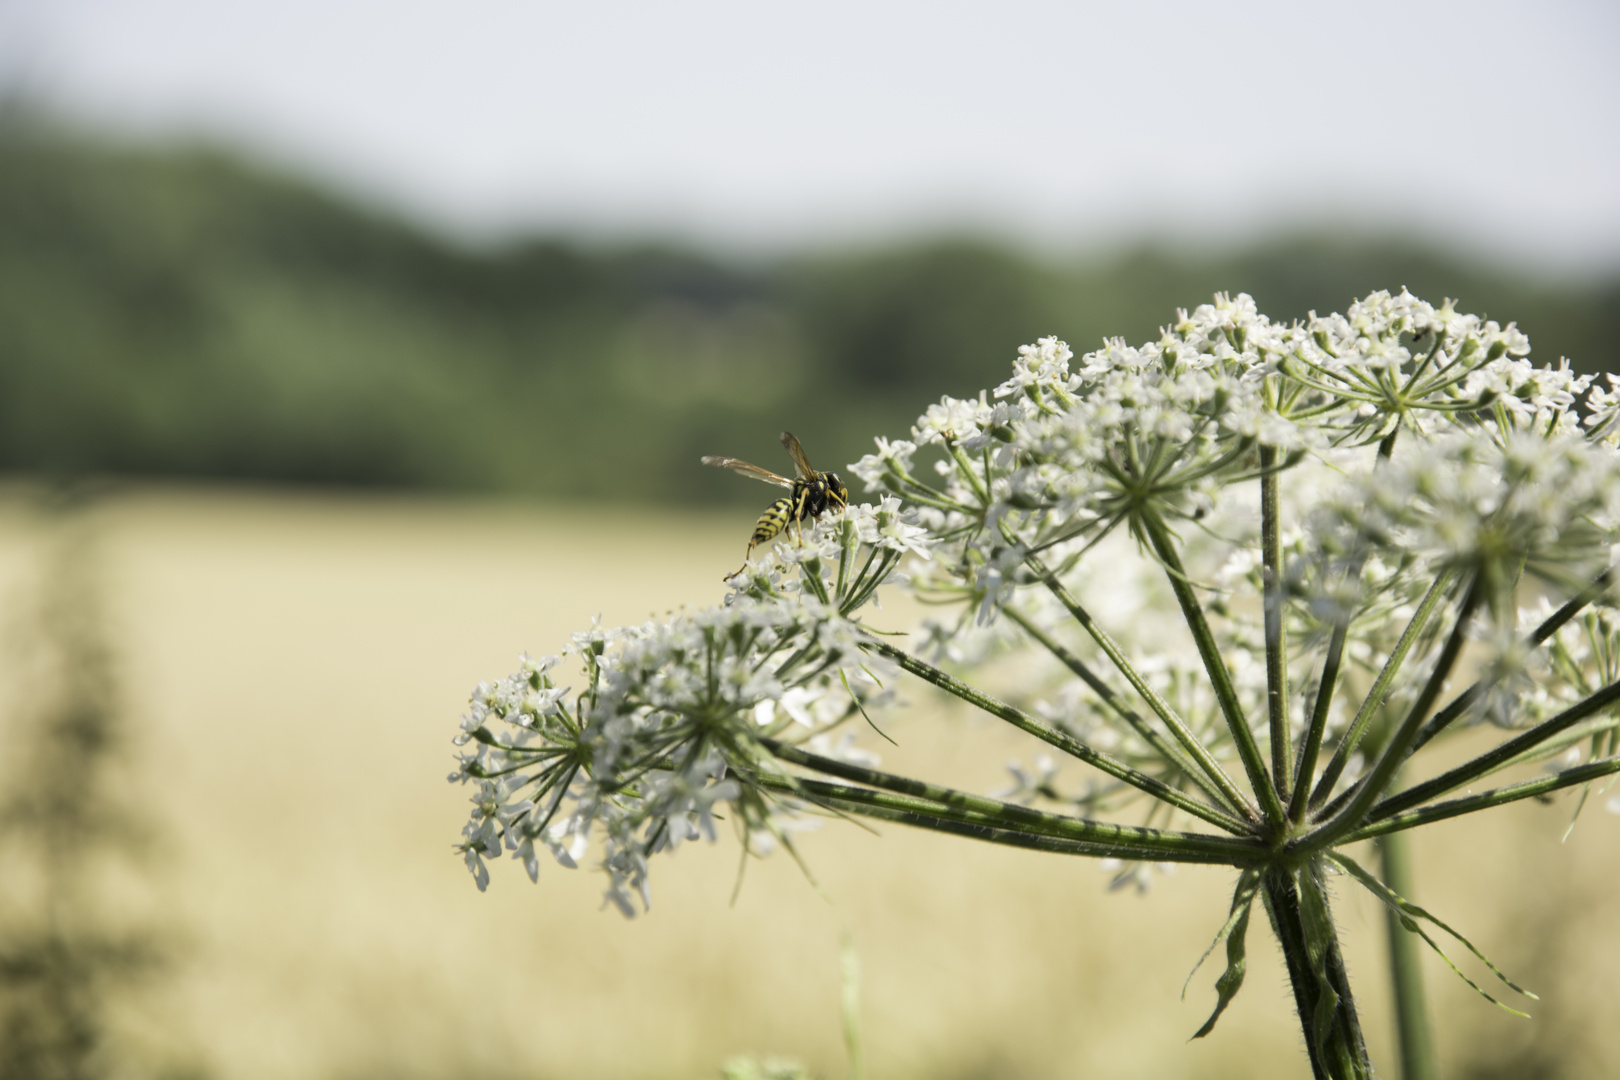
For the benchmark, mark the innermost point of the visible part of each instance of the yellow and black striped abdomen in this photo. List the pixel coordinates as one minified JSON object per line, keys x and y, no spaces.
{"x":772,"y":521}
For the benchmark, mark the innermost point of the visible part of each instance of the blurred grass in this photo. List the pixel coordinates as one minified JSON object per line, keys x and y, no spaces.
{"x":294,"y":667}
{"x":175,"y":311}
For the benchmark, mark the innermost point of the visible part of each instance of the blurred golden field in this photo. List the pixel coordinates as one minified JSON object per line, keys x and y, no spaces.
{"x":293,"y":668}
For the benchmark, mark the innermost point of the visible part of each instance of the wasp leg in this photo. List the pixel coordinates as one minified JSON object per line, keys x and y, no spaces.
{"x":746,"y":556}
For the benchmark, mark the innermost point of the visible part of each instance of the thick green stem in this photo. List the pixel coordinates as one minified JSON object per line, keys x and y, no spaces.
{"x":1052,"y":737}
{"x":1232,"y":796}
{"x":1220,"y":678}
{"x":1276,"y":639}
{"x":1406,"y":972}
{"x":1297,"y":906}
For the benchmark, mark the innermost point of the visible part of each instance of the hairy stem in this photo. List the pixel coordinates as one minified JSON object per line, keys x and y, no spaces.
{"x":1528,"y":789}
{"x":1322,"y":997}
{"x":923,"y":797}
{"x":967,"y":470}
{"x":1108,"y":841}
{"x":1500,"y":755}
{"x":1311,"y":748}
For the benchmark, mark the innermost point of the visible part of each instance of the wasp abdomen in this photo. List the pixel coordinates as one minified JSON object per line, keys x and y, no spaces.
{"x":772,"y":521}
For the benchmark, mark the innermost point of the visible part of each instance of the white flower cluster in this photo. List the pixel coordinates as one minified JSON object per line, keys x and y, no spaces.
{"x":1409,"y":439}
{"x":1529,"y":685}
{"x":1542,"y":503}
{"x":666,"y":728}
{"x":1168,"y":423}
{"x":1396,"y":361}
{"x":1603,"y":420}
{"x":1396,"y":446}
{"x":1061,"y":451}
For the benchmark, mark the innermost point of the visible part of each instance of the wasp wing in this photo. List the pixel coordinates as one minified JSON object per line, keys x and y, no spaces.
{"x":737,"y":465}
{"x":796,"y":452}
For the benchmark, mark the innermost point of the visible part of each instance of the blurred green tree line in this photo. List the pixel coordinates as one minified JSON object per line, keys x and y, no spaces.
{"x":175,"y":311}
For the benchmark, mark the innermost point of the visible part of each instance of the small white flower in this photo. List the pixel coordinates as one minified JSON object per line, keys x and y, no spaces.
{"x":796,"y":703}
{"x":1043,"y":366}
{"x":891,"y":459}
{"x":997,"y":580}
{"x":951,"y":420}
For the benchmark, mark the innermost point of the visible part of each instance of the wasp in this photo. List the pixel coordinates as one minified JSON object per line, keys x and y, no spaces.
{"x":811,"y":493}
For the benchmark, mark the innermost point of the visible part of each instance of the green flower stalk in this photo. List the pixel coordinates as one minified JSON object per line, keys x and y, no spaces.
{"x":1341,"y":517}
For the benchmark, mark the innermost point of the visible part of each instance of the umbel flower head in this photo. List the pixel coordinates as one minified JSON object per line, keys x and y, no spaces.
{"x":1240,"y":564}
{"x":671,"y":719}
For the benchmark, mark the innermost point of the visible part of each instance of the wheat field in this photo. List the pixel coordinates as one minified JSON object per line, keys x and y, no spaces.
{"x":293,"y":668}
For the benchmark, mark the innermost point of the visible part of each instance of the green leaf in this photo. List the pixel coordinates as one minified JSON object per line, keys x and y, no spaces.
{"x":1409,"y":913}
{"x":1234,"y":931}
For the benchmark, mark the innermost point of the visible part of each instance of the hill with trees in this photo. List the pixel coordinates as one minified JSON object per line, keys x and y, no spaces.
{"x":179,"y":312}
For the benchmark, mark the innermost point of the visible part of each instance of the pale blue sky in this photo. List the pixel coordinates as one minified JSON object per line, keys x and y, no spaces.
{"x":755,"y":125}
